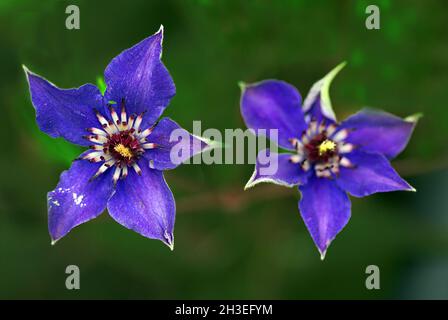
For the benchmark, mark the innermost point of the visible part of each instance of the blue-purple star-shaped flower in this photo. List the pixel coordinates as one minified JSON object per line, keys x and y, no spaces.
{"x":327,"y":160}
{"x":129,"y":147}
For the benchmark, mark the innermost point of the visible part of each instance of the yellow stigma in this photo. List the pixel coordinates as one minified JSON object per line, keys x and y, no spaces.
{"x":123,"y":151}
{"x":326,"y":146}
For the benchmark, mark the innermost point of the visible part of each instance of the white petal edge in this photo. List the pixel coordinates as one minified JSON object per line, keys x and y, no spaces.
{"x":323,"y":87}
{"x":253,"y":182}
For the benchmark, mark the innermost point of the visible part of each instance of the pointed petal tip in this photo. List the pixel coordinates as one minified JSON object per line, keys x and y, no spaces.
{"x":169,"y":245}
{"x":248,"y":186}
{"x":251,"y":181}
{"x":322,"y":255}
{"x":242,"y":85}
{"x":28,"y":72}
{"x":342,"y":64}
{"x":159,"y":35}
{"x":414,"y":118}
{"x":169,"y":240}
{"x":323,"y":251}
{"x":332,"y":74}
{"x":160,"y":32}
{"x":25,"y":68}
{"x":322,"y":88}
{"x":409,"y":187}
{"x":54,"y":241}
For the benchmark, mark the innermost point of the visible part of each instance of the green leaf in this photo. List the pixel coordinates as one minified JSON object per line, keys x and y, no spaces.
{"x":101,"y":84}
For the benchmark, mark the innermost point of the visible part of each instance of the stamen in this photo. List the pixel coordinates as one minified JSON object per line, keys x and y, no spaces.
{"x":146,"y":132}
{"x":305,"y":165}
{"x":101,"y":119}
{"x":131,"y":121}
{"x":123,"y":114}
{"x":326,"y":146}
{"x":346,"y":148}
{"x":97,"y":139}
{"x":340,"y":135}
{"x":116,"y":175}
{"x":111,"y":128}
{"x":312,"y":128}
{"x":97,"y":157}
{"x":97,"y":131}
{"x":331,"y":129}
{"x":138,"y":121}
{"x":149,"y":146}
{"x":114,"y":115}
{"x":345,"y":162}
{"x":322,"y":127}
{"x":103,"y":169}
{"x":97,"y":147}
{"x":335,"y":170}
{"x":305,"y":139}
{"x":295,"y":142}
{"x":137,"y":169}
{"x":295,"y":158}
{"x":123,"y":151}
{"x":124,"y":172}
{"x":92,"y":155}
{"x":323,"y":174}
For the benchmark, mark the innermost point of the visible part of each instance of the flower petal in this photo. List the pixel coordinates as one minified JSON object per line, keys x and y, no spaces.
{"x":278,"y":169}
{"x":325,"y":209}
{"x":138,"y":76}
{"x":64,"y":112}
{"x":76,"y":199}
{"x":317,"y":103}
{"x":273,"y":104}
{"x":381,"y":132}
{"x":174,"y":145}
{"x":371,"y":173}
{"x":145,"y":204}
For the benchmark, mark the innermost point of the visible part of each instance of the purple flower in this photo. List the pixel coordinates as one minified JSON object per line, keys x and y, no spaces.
{"x":129,"y":147}
{"x":327,"y":159}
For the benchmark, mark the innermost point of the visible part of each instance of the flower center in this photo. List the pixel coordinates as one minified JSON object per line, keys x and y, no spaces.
{"x":326,"y":146}
{"x":124,"y":147}
{"x":320,"y":148}
{"x":123,"y":151}
{"x":118,"y":143}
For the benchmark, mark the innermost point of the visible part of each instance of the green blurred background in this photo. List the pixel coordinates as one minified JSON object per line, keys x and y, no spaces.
{"x":230,"y":243}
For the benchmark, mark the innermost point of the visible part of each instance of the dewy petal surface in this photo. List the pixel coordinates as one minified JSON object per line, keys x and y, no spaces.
{"x":273,"y":104}
{"x":372,"y":173}
{"x":325,"y":209}
{"x":138,"y":76}
{"x":378,"y":131}
{"x":285,"y":174}
{"x":145,"y":204}
{"x":182,"y":143}
{"x":76,"y":199}
{"x":64,"y":112}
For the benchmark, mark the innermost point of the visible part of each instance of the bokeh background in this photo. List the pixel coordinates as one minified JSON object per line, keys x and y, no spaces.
{"x":230,"y":243}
